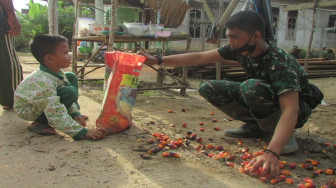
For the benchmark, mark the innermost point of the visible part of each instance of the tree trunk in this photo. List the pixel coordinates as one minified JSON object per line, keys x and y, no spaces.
{"x":310,"y":37}
{"x":52,"y":17}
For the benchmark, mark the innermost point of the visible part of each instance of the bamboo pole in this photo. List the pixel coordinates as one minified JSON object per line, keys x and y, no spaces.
{"x":208,"y":11}
{"x":227,"y":14}
{"x":310,"y":37}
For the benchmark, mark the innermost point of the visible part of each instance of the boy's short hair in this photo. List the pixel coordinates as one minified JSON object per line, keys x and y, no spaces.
{"x":44,"y":44}
{"x":248,"y":21}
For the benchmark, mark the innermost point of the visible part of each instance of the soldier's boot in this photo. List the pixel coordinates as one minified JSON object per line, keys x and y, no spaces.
{"x":239,"y":112}
{"x":291,"y":145}
{"x":268,"y":125}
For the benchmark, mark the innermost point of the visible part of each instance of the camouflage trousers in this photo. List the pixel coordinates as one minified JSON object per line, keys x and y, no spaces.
{"x":255,"y":94}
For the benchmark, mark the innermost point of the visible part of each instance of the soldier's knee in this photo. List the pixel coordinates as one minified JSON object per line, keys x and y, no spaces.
{"x":252,"y":87}
{"x":203,"y":87}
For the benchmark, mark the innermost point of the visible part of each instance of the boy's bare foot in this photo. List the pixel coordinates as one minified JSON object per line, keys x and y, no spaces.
{"x":7,"y":108}
{"x":80,"y":120}
{"x":42,"y":128}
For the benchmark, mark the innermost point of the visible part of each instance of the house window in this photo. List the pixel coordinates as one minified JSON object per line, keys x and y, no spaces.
{"x":195,"y":26}
{"x":291,"y":24}
{"x":275,"y":14}
{"x":332,"y":23}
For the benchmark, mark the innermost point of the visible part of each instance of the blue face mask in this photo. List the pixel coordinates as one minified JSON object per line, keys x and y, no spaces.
{"x":245,"y":50}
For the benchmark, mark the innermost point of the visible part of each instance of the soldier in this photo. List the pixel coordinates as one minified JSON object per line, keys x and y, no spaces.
{"x":276,"y":97}
{"x":330,"y":55}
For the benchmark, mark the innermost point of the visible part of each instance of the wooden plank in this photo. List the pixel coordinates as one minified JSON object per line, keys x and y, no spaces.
{"x":320,"y":4}
{"x":317,"y":63}
{"x":322,"y":68}
{"x":321,"y":71}
{"x":95,"y":65}
{"x":321,"y":61}
{"x":311,"y":59}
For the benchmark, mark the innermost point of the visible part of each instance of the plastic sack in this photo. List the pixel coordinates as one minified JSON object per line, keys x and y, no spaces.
{"x":121,"y":91}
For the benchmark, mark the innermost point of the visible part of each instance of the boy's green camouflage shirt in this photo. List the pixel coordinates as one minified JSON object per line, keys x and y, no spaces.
{"x":37,"y":94}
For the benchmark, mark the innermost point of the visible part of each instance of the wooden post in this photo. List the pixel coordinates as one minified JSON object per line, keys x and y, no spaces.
{"x":113,"y":24}
{"x":310,"y":37}
{"x":111,"y":40}
{"x":219,"y":64}
{"x":160,"y":77}
{"x":52,"y":17}
{"x":74,"y":43}
{"x":185,"y":72}
{"x":321,"y":42}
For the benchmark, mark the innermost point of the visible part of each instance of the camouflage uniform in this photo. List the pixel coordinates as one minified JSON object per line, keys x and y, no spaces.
{"x":269,"y":75}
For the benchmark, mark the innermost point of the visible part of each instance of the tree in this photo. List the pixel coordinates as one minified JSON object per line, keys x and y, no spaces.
{"x":36,"y":22}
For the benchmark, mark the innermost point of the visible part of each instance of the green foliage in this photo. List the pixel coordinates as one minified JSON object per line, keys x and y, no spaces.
{"x":35,"y":9}
{"x":36,"y":22}
{"x":66,"y":19}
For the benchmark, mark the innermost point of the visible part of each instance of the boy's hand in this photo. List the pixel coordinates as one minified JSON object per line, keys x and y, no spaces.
{"x":80,"y":120}
{"x":94,"y":134}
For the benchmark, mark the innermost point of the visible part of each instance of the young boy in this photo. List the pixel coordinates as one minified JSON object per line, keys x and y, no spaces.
{"x":49,"y":96}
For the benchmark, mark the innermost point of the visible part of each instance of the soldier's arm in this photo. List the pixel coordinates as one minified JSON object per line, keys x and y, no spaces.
{"x":195,"y":58}
{"x":289,"y":104}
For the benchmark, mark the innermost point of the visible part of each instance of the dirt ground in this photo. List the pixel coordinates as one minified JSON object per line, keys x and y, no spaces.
{"x":31,"y":160}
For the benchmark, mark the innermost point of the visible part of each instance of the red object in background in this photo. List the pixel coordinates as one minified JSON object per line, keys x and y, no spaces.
{"x":120,"y":94}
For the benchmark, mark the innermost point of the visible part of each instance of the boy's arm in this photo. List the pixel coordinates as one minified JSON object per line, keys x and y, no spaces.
{"x":74,"y":110}
{"x":58,"y":116}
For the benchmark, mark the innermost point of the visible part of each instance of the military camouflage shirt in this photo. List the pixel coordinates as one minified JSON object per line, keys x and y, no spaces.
{"x":276,"y":67}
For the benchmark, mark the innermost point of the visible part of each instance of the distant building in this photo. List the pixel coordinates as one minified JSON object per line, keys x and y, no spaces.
{"x":25,"y":11}
{"x":290,"y":28}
